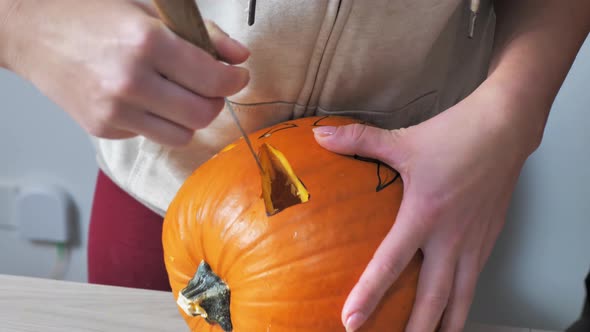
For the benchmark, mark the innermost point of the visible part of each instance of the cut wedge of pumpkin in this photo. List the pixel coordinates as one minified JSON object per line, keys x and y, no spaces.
{"x":281,"y":188}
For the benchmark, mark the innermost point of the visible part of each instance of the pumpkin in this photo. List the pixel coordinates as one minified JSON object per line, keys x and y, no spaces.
{"x":279,"y":249}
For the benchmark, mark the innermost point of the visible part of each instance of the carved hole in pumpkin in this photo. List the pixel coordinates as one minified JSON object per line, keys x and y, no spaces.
{"x":281,"y":188}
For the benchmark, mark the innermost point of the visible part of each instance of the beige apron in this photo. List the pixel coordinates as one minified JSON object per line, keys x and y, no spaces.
{"x":394,"y":63}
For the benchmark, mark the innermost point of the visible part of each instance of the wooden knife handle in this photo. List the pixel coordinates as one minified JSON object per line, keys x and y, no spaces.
{"x":184,"y":18}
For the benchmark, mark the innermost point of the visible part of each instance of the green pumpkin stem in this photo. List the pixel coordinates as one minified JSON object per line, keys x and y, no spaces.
{"x":206,"y":295}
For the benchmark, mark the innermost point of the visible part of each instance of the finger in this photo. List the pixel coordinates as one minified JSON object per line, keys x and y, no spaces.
{"x":391,"y":258}
{"x":113,"y":133}
{"x":497,"y":221}
{"x":107,"y":132}
{"x":367,"y":141}
{"x":229,"y":49}
{"x":489,"y":241}
{"x":463,"y":290}
{"x":434,"y":288}
{"x":173,"y":102}
{"x":97,"y":123}
{"x":493,"y":230}
{"x":195,"y":69}
{"x":154,"y":128}
{"x":468,"y":269}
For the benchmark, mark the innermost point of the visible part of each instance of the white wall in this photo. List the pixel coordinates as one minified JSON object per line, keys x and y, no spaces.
{"x":40,"y":144}
{"x":534,"y":277}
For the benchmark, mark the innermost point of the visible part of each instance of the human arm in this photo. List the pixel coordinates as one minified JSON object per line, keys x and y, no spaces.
{"x":116,"y":69}
{"x":460,"y":167}
{"x":536,"y":43}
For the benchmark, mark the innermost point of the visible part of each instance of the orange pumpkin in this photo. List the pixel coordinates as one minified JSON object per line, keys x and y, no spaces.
{"x":280,"y":250}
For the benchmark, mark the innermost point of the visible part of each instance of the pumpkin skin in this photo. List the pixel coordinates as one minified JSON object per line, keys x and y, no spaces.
{"x":291,"y":271}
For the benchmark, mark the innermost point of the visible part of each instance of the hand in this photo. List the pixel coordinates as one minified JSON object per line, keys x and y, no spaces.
{"x":119,"y":72}
{"x":459,"y":170}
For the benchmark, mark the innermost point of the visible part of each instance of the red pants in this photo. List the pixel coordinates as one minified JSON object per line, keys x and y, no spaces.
{"x":124,"y":241}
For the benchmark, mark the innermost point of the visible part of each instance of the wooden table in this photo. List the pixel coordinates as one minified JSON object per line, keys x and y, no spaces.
{"x":34,"y":305}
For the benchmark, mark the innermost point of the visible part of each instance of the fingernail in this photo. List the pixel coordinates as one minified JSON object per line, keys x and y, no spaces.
{"x":324,"y":131}
{"x":354,"y":322}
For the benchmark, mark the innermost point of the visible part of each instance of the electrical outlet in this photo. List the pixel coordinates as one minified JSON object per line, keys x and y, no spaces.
{"x":8,"y":193}
{"x":42,"y":213}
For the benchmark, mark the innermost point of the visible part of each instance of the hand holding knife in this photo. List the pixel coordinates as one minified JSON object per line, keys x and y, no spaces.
{"x":184,"y":18}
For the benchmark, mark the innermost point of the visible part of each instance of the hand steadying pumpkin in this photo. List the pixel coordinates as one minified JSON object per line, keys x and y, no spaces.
{"x":460,"y":167}
{"x":459,"y":170}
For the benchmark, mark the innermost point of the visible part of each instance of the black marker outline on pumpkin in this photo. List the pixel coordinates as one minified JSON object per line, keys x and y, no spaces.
{"x":381,"y":185}
{"x":273,"y":130}
{"x":317,"y":122}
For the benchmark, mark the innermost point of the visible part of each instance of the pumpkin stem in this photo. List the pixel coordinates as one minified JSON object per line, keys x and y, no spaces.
{"x":281,"y":188}
{"x":206,"y":295}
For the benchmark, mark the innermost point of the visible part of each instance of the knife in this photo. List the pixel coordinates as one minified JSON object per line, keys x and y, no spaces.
{"x":184,"y":18}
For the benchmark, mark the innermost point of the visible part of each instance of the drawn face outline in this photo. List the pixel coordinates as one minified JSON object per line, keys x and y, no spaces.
{"x":386,"y":175}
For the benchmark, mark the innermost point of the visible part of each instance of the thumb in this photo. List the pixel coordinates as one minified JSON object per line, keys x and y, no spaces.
{"x":229,"y":49}
{"x":363,"y":140}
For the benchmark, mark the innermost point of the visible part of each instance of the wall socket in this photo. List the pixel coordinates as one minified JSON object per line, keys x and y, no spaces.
{"x":43,"y":213}
{"x":38,"y":210}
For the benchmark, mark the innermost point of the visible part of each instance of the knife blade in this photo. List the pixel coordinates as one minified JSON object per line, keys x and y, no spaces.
{"x":184,"y":18}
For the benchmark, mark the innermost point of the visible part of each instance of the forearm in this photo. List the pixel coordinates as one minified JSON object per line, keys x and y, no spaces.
{"x":535,"y":46}
{"x":8,"y":8}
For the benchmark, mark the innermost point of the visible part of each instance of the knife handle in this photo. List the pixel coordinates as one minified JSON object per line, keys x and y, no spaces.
{"x":184,"y":18}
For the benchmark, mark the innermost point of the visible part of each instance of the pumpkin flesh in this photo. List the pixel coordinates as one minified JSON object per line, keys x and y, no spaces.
{"x":281,"y":187}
